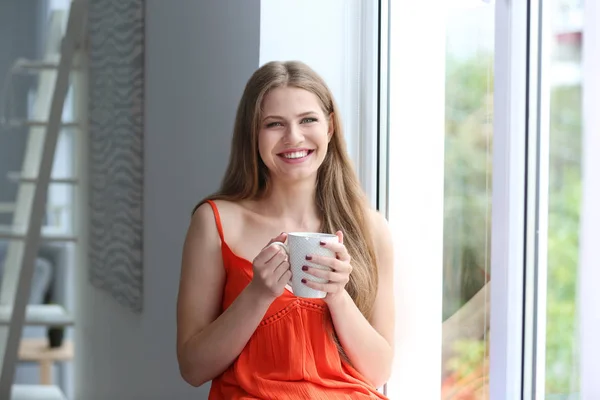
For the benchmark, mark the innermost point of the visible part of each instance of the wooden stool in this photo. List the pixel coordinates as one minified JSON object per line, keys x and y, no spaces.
{"x":37,"y":350}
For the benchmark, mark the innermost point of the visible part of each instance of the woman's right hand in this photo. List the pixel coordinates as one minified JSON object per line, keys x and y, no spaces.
{"x":271,"y":269}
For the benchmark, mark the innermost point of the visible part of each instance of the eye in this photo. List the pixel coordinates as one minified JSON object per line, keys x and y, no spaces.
{"x":308,"y":120}
{"x":273,"y":124}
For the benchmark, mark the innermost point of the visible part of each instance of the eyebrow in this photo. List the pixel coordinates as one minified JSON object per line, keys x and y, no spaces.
{"x":304,"y":114}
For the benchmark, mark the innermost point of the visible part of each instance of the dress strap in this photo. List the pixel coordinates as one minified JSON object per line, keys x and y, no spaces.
{"x":217,"y":219}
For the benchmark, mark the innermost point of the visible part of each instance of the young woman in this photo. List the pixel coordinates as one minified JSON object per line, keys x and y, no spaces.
{"x":237,"y":324}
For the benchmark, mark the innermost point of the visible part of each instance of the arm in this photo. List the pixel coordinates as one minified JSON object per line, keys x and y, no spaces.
{"x":207,"y":343}
{"x":369,"y":346}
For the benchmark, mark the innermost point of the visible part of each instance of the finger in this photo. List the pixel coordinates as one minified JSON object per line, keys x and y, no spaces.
{"x":268,"y":253}
{"x":276,"y":260}
{"x":270,"y":273}
{"x":279,"y":238}
{"x":281,"y":269}
{"x":340,"y":236}
{"x":328,"y":275}
{"x":338,"y":248}
{"x":285,"y":278}
{"x":330,"y":262}
{"x":323,"y":287}
{"x":282,"y":237}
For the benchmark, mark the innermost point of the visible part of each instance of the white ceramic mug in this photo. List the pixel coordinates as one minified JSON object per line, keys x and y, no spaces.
{"x":301,"y":244}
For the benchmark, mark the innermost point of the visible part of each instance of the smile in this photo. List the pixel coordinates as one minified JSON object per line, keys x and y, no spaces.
{"x":296,"y":155}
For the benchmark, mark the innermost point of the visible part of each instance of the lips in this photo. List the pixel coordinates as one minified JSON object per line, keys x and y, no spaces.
{"x":295,"y":154}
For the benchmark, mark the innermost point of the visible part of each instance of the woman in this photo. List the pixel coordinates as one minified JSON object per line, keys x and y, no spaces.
{"x":237,"y":324}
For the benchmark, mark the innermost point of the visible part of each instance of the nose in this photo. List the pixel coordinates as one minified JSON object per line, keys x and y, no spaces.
{"x":293,"y":135}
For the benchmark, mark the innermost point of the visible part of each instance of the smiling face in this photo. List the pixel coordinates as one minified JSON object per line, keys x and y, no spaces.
{"x":294,"y":134}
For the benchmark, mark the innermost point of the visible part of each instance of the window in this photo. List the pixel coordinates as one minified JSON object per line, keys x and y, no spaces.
{"x":485,"y":185}
{"x":439,"y":182}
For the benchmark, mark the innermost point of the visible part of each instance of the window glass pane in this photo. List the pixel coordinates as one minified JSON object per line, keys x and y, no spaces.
{"x":467,"y":200}
{"x":564,"y":70}
{"x":439,"y":191}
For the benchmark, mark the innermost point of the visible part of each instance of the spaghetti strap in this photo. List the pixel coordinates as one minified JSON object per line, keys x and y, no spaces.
{"x":217,"y":219}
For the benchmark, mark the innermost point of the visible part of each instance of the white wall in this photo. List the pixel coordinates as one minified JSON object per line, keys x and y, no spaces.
{"x":199,"y":54}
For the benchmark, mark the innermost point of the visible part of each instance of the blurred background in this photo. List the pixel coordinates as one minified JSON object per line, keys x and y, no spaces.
{"x":145,"y":128}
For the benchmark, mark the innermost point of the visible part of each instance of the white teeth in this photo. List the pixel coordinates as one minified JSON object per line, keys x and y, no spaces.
{"x":296,"y":154}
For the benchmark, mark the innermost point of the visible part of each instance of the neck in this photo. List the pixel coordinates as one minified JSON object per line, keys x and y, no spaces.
{"x":293,"y":204}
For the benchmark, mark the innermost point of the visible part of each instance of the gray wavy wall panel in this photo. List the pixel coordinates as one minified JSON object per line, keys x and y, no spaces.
{"x":116,"y":95}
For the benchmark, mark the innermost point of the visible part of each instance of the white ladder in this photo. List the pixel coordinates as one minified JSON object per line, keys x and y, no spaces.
{"x":25,"y":234}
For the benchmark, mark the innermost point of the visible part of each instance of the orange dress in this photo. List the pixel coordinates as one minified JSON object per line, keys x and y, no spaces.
{"x":291,"y":354}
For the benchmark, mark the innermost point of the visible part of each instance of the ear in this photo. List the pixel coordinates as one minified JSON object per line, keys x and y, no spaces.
{"x":331,"y":128}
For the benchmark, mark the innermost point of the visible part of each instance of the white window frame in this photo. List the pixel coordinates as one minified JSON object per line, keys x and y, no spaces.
{"x":508,"y":208}
{"x":537,"y":192}
{"x":370,"y":132}
{"x":515,"y":293}
{"x":589,"y":271}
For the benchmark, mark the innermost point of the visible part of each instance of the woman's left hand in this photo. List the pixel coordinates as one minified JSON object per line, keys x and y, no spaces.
{"x":338,"y":276}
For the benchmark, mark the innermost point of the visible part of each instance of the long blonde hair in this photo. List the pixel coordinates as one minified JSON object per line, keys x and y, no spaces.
{"x":340,"y":200}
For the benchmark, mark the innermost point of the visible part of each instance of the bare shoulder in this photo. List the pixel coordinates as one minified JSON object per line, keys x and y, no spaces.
{"x":225,"y":208}
{"x":229,"y":213}
{"x":382,"y":238}
{"x":203,"y":220}
{"x":233,"y":216}
{"x":379,"y":223}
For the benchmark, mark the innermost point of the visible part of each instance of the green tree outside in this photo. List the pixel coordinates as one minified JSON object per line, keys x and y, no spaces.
{"x":467,"y":214}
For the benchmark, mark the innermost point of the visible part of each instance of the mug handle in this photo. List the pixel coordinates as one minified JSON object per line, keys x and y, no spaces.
{"x":287,"y":250}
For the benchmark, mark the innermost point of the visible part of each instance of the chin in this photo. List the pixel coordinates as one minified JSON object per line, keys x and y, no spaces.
{"x":297,"y":178}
